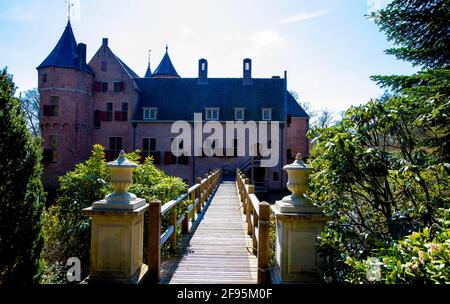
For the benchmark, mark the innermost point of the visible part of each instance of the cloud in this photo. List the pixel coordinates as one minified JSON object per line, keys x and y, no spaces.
{"x":375,"y":5}
{"x":303,"y":16}
{"x":265,"y":39}
{"x":261,"y":42}
{"x":186,"y":32}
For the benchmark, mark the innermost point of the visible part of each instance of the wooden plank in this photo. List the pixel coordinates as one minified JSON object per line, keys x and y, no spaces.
{"x":218,"y":251}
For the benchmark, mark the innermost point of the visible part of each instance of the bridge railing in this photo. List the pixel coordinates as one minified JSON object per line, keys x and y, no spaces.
{"x":199,"y":194}
{"x":257,"y":215}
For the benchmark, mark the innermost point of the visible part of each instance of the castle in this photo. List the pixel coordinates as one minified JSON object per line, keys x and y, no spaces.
{"x":105,"y":102}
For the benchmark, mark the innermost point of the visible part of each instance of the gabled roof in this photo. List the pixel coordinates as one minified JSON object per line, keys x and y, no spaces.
{"x":148,"y":73}
{"x":127,"y":69}
{"x":294,"y":109}
{"x":165,"y":68}
{"x":65,"y":53}
{"x":180,"y":98}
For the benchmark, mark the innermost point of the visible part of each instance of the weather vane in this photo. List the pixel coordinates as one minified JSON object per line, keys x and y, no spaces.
{"x":69,"y":5}
{"x":149,"y":52}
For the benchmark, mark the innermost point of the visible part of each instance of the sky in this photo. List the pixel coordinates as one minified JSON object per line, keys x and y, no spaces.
{"x":328,"y":47}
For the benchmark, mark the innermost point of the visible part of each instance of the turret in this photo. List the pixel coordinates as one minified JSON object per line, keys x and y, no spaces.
{"x":65,"y":87}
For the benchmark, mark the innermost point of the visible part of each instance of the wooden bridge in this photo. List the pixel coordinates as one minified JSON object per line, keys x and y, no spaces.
{"x":225,"y":234}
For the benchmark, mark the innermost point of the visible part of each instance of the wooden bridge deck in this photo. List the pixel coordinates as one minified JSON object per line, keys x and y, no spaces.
{"x":216,"y":251}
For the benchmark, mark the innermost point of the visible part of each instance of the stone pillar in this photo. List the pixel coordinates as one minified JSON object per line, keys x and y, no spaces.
{"x":117,"y":230}
{"x":299,"y":223}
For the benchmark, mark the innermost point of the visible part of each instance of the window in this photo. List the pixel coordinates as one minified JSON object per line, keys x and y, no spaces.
{"x":238,"y":113}
{"x":104,"y":87}
{"x":275,"y":176}
{"x":182,"y":159}
{"x":289,"y":153}
{"x":203,"y":66}
{"x":266,"y":114}
{"x":269,"y":144}
{"x":50,"y":154}
{"x":119,"y":86}
{"x":115,"y":145}
{"x":104,"y":66}
{"x":109,"y":111}
{"x":148,"y":144}
{"x":212,"y":113}
{"x":209,"y":147}
{"x":247,"y":66}
{"x":149,"y":113}
{"x":52,"y":109}
{"x":149,"y":149}
{"x":235,"y":147}
{"x":97,"y":119}
{"x":122,"y":115}
{"x":44,"y":77}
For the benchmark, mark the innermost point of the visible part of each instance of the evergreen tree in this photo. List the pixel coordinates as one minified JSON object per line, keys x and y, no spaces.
{"x":21,"y":192}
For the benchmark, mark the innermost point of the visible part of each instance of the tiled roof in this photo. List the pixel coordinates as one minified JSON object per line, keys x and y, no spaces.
{"x":165,"y":67}
{"x":148,"y":73}
{"x":179,"y":98}
{"x":294,"y":109}
{"x":127,"y":68}
{"x":65,"y":53}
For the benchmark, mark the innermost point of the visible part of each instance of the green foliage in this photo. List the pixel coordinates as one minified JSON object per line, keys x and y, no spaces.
{"x":419,"y":28}
{"x":21,"y":192}
{"x":383,"y":171}
{"x":67,"y":229}
{"x":422,"y":257}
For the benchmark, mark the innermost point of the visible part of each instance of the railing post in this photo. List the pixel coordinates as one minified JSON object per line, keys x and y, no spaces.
{"x":173,"y":222}
{"x":154,"y":235}
{"x":193,"y":197}
{"x":185,"y":223}
{"x":263,"y":243}
{"x":199,"y":195}
{"x":249,"y":206}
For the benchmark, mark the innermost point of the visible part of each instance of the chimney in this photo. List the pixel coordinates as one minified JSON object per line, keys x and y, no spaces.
{"x":202,"y":71}
{"x":247,"y":67}
{"x":82,"y":54}
{"x":105,"y":42}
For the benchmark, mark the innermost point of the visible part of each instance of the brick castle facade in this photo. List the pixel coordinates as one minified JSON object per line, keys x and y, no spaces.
{"x":105,"y":102}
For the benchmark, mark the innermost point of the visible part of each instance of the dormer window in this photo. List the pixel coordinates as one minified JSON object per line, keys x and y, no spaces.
{"x":203,"y":66}
{"x":266,"y":114}
{"x":150,"y":113}
{"x":212,"y":113}
{"x":239,"y":113}
{"x":247,"y":66}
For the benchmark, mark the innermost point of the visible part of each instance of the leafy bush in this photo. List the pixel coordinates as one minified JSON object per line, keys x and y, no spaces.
{"x":21,"y":192}
{"x":422,"y":257}
{"x":67,"y":229}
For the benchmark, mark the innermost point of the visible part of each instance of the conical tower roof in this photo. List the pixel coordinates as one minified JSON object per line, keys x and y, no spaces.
{"x":65,"y":53}
{"x":165,"y":67}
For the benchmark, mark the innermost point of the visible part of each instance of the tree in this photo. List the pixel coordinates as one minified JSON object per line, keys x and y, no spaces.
{"x":304,"y":104}
{"x":382,"y":171}
{"x":324,"y":119}
{"x":21,"y":192}
{"x":419,"y":28}
{"x":30,"y":107}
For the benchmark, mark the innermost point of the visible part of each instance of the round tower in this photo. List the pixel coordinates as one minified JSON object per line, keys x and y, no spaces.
{"x":65,"y":88}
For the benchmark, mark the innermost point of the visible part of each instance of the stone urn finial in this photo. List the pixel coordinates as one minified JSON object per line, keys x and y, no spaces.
{"x":298,"y":173}
{"x":121,"y":180}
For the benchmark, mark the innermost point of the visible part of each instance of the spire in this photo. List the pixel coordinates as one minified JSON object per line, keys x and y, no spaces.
{"x":69,"y":5}
{"x":165,"y":68}
{"x":66,"y":53}
{"x":148,"y":73}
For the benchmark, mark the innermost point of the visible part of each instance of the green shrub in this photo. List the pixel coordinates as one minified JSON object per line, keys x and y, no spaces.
{"x":67,"y":229}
